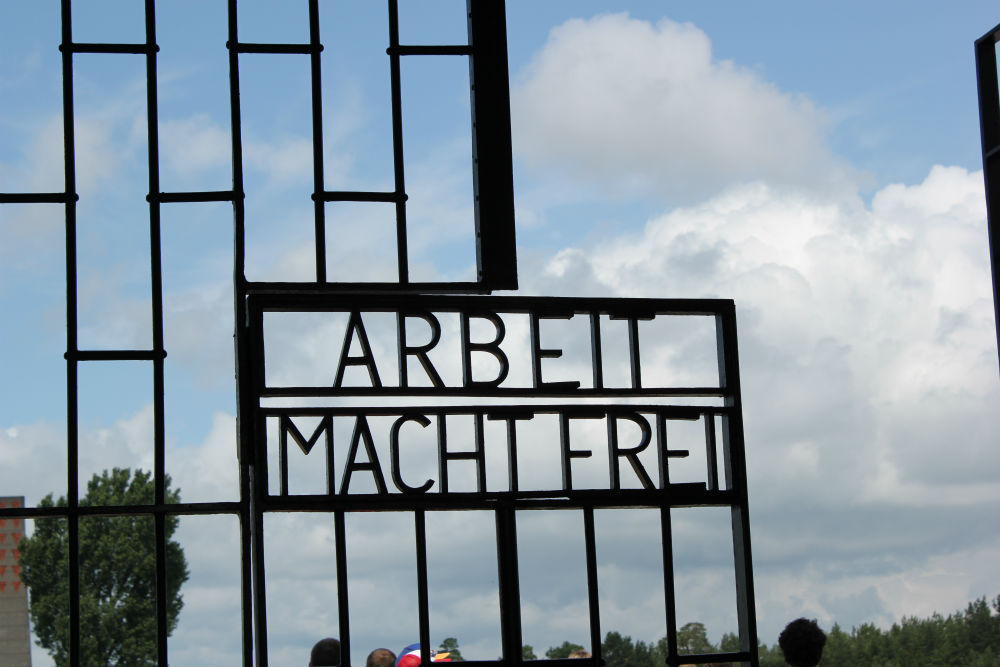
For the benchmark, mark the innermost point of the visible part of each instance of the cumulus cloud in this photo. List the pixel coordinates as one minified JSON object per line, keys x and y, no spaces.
{"x":867,"y":353}
{"x":191,"y":146}
{"x":639,"y":107}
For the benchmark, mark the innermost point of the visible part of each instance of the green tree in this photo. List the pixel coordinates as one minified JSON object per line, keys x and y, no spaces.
{"x":839,"y":648}
{"x":730,"y":642}
{"x":450,"y":646}
{"x":693,"y":638}
{"x":562,"y":651}
{"x":621,"y":651}
{"x":528,"y":652}
{"x":117,"y":563}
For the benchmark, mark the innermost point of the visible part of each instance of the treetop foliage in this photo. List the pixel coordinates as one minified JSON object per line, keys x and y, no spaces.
{"x":969,"y":638}
{"x":117,"y":564}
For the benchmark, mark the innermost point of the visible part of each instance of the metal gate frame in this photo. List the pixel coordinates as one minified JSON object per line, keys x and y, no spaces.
{"x":486,"y":51}
{"x":726,"y":484}
{"x":989,"y":126}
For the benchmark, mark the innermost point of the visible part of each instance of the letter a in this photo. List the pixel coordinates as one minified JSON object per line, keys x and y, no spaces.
{"x":362,"y":435}
{"x":367,"y":359}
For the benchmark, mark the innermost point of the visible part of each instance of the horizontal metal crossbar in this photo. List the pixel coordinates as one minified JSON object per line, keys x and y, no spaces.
{"x":245,"y":47}
{"x":38,"y":197}
{"x":428,"y":50}
{"x":81,"y":47}
{"x":343,"y":195}
{"x":267,"y":300}
{"x":203,"y":196}
{"x":180,"y":509}
{"x":116,"y":355}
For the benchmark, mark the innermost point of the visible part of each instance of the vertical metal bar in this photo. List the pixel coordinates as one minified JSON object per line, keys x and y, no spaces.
{"x":592,"y":592}
{"x":162,"y":623}
{"x":317,"y":128}
{"x":613,"y":470}
{"x":156,"y":282}
{"x":402,"y":255}
{"x":155,"y":257}
{"x":442,"y":440}
{"x":463,"y":322}
{"x":567,"y":469}
{"x":258,"y":496}
{"x":343,"y":608}
{"x":509,"y":585}
{"x":711,"y":452}
{"x":259,"y":583}
{"x":283,"y":456}
{"x":989,"y":127}
{"x":536,"y":357}
{"x":423,"y":604}
{"x":735,"y":461}
{"x":331,"y":473}
{"x":669,"y":599}
{"x":72,"y":407}
{"x":246,"y":577}
{"x":595,"y":349}
{"x":480,"y":453}
{"x":512,"y":453}
{"x":633,"y":352}
{"x":492,"y":173}
{"x":404,"y":379}
{"x":661,"y":450}
{"x":511,"y":419}
{"x":239,"y":250}
{"x":253,"y":600}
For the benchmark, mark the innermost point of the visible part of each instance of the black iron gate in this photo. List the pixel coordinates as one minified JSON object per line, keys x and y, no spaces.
{"x":422,"y":396}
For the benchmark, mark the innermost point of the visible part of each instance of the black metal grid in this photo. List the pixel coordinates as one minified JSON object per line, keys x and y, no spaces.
{"x":492,"y":169}
{"x":486,"y":51}
{"x":726,"y":490}
{"x":989,"y":124}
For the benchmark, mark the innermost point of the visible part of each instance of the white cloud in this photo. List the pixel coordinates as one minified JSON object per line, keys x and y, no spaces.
{"x":635,"y":107}
{"x":869,"y":369}
{"x":193,"y":145}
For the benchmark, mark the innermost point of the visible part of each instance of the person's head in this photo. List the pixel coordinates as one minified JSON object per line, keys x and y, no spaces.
{"x":580,"y":653}
{"x":802,"y":643}
{"x":381,"y":657}
{"x":325,"y":653}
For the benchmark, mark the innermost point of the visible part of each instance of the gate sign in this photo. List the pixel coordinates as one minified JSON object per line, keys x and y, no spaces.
{"x":390,"y":370}
{"x":361,"y":402}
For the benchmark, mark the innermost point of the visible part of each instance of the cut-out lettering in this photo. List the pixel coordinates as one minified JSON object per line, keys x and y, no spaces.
{"x":478,"y":454}
{"x":511,"y":418}
{"x":492,"y":348}
{"x":397,"y":476}
{"x":356,"y":327}
{"x":362,"y":435}
{"x":538,"y":353}
{"x":568,"y":453}
{"x":418,"y":351}
{"x":631,"y":454}
{"x":288,"y":428}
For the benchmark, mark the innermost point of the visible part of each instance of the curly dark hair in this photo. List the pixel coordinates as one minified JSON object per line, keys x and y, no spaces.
{"x":802,"y":643}
{"x":325,"y":652}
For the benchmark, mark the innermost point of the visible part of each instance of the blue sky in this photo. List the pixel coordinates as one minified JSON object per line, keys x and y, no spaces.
{"x":817,"y":163}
